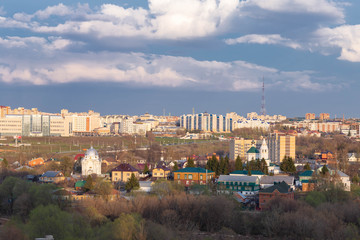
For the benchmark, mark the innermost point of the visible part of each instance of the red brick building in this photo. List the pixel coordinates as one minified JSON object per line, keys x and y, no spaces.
{"x":279,"y":190}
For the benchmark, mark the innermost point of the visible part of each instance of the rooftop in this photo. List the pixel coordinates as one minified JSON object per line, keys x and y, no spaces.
{"x":194,"y":170}
{"x":125,"y":167}
{"x":282,"y":187}
{"x":244,"y":172}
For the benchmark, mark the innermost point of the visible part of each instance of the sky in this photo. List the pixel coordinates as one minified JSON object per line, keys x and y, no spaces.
{"x":137,"y":56}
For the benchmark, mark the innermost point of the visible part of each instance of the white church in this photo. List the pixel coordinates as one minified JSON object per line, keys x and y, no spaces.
{"x":91,"y":163}
{"x":263,"y":153}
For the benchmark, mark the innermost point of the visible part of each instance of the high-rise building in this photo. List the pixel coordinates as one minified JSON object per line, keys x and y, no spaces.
{"x":240,"y":146}
{"x":207,"y":122}
{"x":31,"y":122}
{"x":324,"y":116}
{"x":310,"y":116}
{"x":281,"y":145}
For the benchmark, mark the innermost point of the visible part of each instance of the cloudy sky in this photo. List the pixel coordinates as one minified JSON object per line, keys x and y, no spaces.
{"x":136,"y":56}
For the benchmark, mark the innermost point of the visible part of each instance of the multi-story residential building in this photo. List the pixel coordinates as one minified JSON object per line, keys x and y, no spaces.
{"x":281,"y":145}
{"x":32,"y":122}
{"x":161,"y":172}
{"x":122,"y":173}
{"x":310,"y":116}
{"x":240,"y":146}
{"x":247,"y":185}
{"x":279,"y":190}
{"x":252,"y":123}
{"x":193,"y":175}
{"x":324,"y":116}
{"x":207,"y":122}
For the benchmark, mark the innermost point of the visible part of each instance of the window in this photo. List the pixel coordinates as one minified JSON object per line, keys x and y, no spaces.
{"x":155,"y":174}
{"x":201,"y":177}
{"x":128,"y":174}
{"x":116,"y":174}
{"x":178,"y":176}
{"x":185,"y":177}
{"x":190,"y":176}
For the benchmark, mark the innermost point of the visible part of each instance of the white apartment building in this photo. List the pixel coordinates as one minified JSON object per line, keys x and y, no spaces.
{"x":206,"y":122}
{"x":26,"y":122}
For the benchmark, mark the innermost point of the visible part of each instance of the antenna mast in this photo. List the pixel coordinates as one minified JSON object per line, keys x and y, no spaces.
{"x":263,"y":111}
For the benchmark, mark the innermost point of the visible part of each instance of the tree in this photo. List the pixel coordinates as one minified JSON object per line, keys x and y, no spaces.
{"x":227,"y":165}
{"x":103,"y":188}
{"x":146,"y":169}
{"x":264,"y":167}
{"x":307,"y":167}
{"x":324,"y":170}
{"x":4,"y":164}
{"x":89,"y":184}
{"x":132,"y":183}
{"x":175,"y":167}
{"x":190,"y":162}
{"x":238,"y":164}
{"x":287,"y":165}
{"x":66,"y":166}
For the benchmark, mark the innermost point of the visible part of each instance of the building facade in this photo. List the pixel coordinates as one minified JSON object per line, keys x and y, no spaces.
{"x":281,"y":145}
{"x":91,"y":163}
{"x":193,"y":175}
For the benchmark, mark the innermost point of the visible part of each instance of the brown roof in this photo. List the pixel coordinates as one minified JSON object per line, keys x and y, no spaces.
{"x":125,"y":167}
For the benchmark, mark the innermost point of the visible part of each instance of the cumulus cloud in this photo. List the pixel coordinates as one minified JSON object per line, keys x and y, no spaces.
{"x":346,"y":38}
{"x":46,"y":63}
{"x":264,"y":39}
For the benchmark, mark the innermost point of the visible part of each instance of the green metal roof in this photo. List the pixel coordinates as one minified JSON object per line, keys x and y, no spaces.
{"x":282,"y":187}
{"x":307,"y":173}
{"x":80,"y":184}
{"x":244,"y":172}
{"x":193,"y":170}
{"x":253,"y":150}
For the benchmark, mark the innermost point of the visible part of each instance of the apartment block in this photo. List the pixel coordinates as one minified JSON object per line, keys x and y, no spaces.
{"x":240,"y":146}
{"x":324,"y":116}
{"x":31,"y":122}
{"x":281,"y":145}
{"x":310,"y":116}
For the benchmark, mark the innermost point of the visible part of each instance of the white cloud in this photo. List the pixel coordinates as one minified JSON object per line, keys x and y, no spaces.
{"x":44,"y":62}
{"x":330,"y":9}
{"x":264,"y":39}
{"x":346,"y":37}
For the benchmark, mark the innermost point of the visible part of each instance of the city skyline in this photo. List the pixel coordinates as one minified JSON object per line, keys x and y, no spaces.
{"x":134,"y":57}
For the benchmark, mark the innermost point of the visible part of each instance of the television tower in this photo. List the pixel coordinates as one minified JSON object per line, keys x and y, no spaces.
{"x":263,"y":111}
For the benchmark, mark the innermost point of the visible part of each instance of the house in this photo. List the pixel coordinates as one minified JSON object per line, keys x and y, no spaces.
{"x":278,"y":190}
{"x":247,"y":185}
{"x":352,"y":157}
{"x":79,"y":185}
{"x":161,"y":172}
{"x":123,"y":173}
{"x":307,"y":183}
{"x":145,"y":186}
{"x":52,"y":177}
{"x":193,"y":175}
{"x":268,"y":181}
{"x":345,"y":180}
{"x":258,"y":174}
{"x":339,"y":177}
{"x":36,"y":162}
{"x":306,"y":175}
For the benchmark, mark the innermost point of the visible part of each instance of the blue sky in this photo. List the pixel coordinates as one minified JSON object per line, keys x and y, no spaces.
{"x":131,"y":57}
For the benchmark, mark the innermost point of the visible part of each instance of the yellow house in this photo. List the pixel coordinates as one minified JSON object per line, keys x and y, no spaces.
{"x":123,"y":172}
{"x":161,"y":172}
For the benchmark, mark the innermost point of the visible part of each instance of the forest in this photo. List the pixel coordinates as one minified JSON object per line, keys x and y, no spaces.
{"x":171,"y":213}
